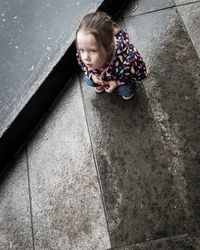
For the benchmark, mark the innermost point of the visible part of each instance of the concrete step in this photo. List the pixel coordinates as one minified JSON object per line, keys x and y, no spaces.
{"x":38,"y":60}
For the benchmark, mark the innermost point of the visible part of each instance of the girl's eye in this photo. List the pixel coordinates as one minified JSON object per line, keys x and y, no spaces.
{"x":81,"y":50}
{"x":93,"y":51}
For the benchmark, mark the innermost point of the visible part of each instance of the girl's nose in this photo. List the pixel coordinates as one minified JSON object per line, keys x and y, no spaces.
{"x":86,"y":56}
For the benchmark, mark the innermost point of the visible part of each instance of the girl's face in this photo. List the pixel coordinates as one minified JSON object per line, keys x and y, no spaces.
{"x":88,"y":48}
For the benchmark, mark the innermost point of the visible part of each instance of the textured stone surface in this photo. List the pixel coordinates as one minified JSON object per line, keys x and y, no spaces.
{"x":34,"y":37}
{"x":191,"y":17}
{"x":173,"y":89}
{"x":140,"y":199}
{"x":15,"y":217}
{"x":143,"y":6}
{"x":189,"y":242}
{"x":179,"y":2}
{"x":66,"y":200}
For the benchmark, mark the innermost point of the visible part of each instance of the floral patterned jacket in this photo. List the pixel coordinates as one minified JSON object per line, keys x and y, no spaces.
{"x":127,"y":66}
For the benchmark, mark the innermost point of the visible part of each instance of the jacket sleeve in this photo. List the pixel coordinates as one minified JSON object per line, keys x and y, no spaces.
{"x":134,"y":67}
{"x":87,"y":73}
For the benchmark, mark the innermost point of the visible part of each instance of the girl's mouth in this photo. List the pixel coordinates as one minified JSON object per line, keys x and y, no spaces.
{"x":89,"y":65}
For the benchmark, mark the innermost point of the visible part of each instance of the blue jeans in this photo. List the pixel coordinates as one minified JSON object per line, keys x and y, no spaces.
{"x":122,"y":90}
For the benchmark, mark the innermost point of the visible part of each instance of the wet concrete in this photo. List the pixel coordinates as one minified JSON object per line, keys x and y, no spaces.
{"x":105,"y":173}
{"x":66,"y":200}
{"x":177,"y":242}
{"x":15,"y":215}
{"x":141,"y":202}
{"x":144,"y":6}
{"x":180,"y":2}
{"x":173,"y":90}
{"x":191,"y":19}
{"x":34,"y":37}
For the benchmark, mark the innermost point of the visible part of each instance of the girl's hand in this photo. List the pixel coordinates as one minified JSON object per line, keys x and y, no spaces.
{"x":110,"y":86}
{"x":97,"y":80}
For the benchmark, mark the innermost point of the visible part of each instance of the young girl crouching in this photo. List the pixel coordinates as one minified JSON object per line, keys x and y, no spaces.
{"x":110,"y":62}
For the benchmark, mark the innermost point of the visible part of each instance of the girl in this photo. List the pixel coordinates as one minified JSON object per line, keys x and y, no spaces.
{"x":110,"y":62}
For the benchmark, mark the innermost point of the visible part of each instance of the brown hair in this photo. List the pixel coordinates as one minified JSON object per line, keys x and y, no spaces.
{"x":100,"y":25}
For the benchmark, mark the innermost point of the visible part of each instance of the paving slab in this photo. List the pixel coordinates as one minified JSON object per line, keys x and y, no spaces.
{"x":138,"y":7}
{"x":141,"y":200}
{"x":181,"y":242}
{"x":66,"y":200}
{"x":15,"y":216}
{"x":191,"y":17}
{"x":173,"y":89}
{"x":179,"y":2}
{"x":35,"y":35}
{"x":147,"y":150}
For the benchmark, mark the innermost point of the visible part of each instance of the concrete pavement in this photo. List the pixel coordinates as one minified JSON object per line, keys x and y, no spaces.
{"x":103,"y":173}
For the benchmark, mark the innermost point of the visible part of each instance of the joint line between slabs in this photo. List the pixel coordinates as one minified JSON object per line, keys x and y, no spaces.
{"x":94,"y":157}
{"x":30,"y":197}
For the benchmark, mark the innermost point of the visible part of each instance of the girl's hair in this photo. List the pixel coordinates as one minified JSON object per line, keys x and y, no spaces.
{"x":100,"y":25}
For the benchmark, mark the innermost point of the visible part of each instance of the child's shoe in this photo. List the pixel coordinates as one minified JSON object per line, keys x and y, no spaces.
{"x":128,"y":97}
{"x":99,"y":89}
